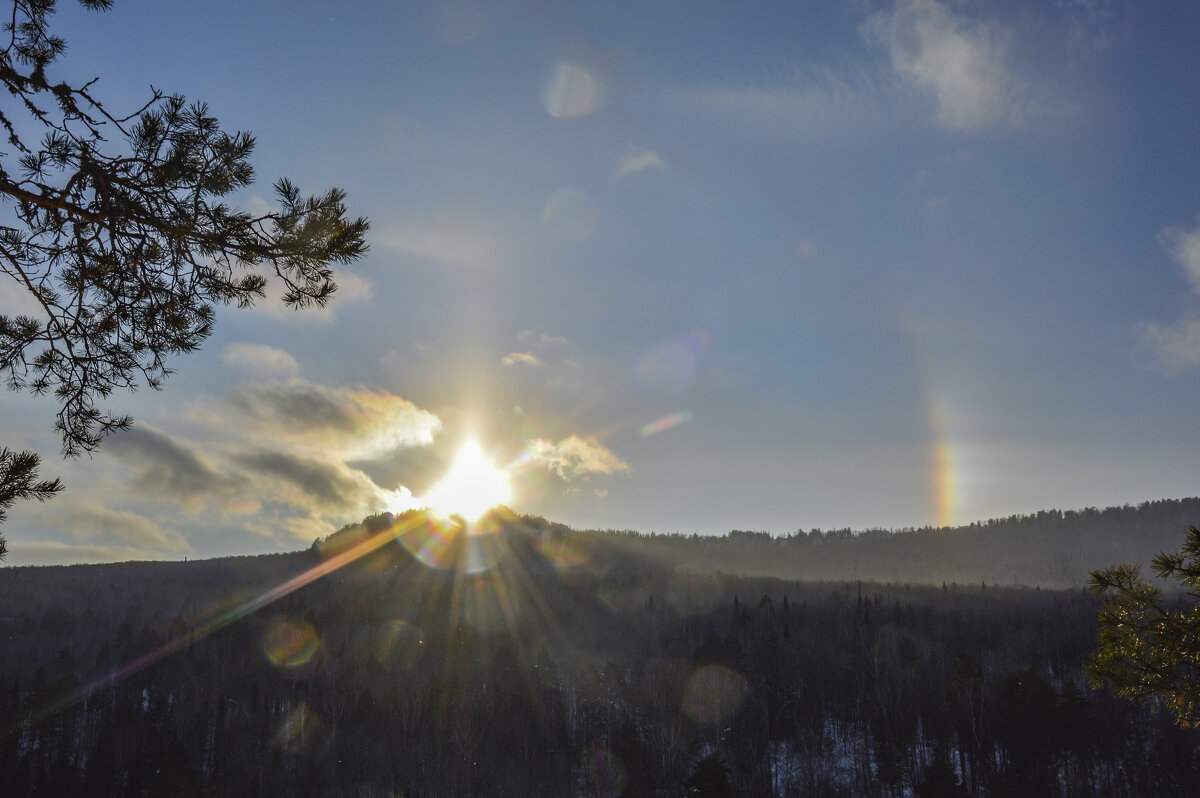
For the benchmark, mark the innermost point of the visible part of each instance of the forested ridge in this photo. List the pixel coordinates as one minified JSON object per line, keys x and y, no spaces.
{"x":1050,"y":548}
{"x":569,"y":663}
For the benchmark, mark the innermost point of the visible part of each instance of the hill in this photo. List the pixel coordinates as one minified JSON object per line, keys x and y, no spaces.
{"x":406,"y":656}
{"x":1051,"y":548}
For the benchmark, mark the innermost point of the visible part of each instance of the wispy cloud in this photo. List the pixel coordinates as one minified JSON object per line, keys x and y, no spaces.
{"x":821,"y":100}
{"x":260,"y":359}
{"x":1176,"y":346}
{"x":635,"y":159}
{"x":1184,"y":246}
{"x":98,"y":525}
{"x":521,"y":359}
{"x":541,"y":340}
{"x":1096,"y":24}
{"x":957,"y":62}
{"x":574,"y":456}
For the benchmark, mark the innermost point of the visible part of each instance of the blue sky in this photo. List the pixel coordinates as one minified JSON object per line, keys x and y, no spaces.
{"x":869,"y":263}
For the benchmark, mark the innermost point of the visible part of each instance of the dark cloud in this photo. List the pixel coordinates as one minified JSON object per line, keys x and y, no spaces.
{"x":323,"y":484}
{"x":167,"y":466}
{"x":296,"y":406}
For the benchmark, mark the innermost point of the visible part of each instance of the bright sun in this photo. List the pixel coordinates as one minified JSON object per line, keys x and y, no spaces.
{"x":471,"y":487}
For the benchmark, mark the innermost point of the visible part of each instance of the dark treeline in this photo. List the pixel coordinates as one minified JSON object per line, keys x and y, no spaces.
{"x":1052,"y":548}
{"x":570,"y":666}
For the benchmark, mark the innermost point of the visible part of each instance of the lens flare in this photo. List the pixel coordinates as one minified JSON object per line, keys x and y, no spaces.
{"x":665,"y":423}
{"x":572,"y":90}
{"x":471,"y":487}
{"x":434,"y":542}
{"x":299,"y":730}
{"x":669,"y":367}
{"x":713,"y":694}
{"x":290,"y":645}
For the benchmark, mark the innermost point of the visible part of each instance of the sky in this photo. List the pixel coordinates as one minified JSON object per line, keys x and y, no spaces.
{"x":676,"y":266}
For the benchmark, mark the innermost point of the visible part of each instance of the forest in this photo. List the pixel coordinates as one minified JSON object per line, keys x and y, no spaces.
{"x":394,"y":658}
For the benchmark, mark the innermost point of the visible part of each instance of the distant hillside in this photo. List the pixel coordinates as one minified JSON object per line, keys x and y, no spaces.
{"x":401,"y":656}
{"x":1051,"y":548}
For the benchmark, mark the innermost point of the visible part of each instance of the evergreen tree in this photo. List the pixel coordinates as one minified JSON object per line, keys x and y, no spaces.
{"x":117,"y":232}
{"x":18,"y":480}
{"x":1149,"y":647}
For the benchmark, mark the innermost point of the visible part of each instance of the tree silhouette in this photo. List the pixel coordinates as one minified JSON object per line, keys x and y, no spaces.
{"x":1149,"y":648}
{"x":116,"y":232}
{"x":18,"y":480}
{"x":709,"y":779}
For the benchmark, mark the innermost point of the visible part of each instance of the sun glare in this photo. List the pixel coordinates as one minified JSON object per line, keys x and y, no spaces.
{"x":471,"y":487}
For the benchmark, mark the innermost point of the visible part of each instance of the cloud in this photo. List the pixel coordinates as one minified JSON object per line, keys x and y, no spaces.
{"x":574,"y":456}
{"x":260,"y":359}
{"x":541,"y":340}
{"x":167,"y":468}
{"x":352,"y":423}
{"x":275,"y":454}
{"x":1176,"y":346}
{"x":521,"y":359}
{"x":637,"y":160}
{"x":306,"y":528}
{"x":88,"y":522}
{"x":821,"y":100}
{"x":1184,"y":247}
{"x":1096,"y":24}
{"x":321,"y":485}
{"x":15,"y":300}
{"x":958,"y":63}
{"x":54,"y":552}
{"x":805,"y":249}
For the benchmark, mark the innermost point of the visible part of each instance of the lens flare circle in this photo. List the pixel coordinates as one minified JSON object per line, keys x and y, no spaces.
{"x":713,"y":694}
{"x":572,"y":91}
{"x":291,"y":644}
{"x":471,"y":487}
